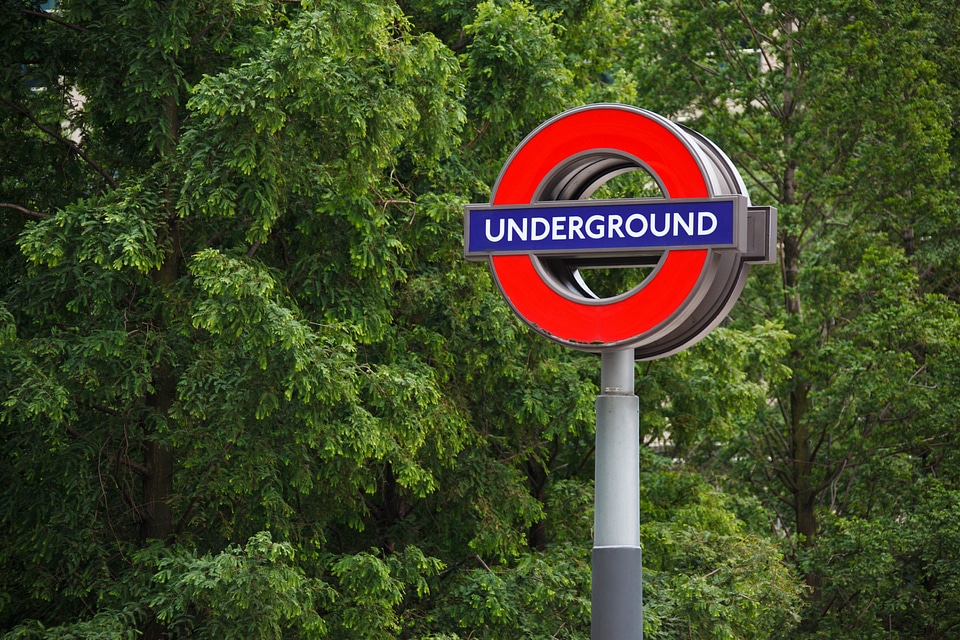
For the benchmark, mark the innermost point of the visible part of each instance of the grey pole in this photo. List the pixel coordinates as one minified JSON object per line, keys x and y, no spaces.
{"x":617,"y":596}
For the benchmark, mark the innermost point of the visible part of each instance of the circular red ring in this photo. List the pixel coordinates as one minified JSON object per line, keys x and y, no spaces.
{"x":607,"y":127}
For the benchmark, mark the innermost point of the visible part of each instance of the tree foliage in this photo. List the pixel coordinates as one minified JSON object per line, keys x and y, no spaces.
{"x":249,"y":387}
{"x":840,"y":114}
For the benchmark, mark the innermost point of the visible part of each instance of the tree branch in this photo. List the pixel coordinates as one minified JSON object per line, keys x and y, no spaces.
{"x":199,"y":35}
{"x":141,"y":470}
{"x":483,"y":130}
{"x":704,"y":68}
{"x":760,"y":183}
{"x":25,"y":211}
{"x":66,"y":141}
{"x":756,"y":35}
{"x":780,"y":437}
{"x":52,"y":18}
{"x":484,"y":564}
{"x":462,"y":41}
{"x":833,"y":475}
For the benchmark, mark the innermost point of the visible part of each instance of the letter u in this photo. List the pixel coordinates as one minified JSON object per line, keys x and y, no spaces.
{"x":666,"y":225}
{"x":499,"y":235}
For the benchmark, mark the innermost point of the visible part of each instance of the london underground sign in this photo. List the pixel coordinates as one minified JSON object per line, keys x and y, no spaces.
{"x":540,"y":229}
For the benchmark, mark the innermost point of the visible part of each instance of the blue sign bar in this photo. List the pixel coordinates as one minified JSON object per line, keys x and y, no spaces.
{"x":611,"y":227}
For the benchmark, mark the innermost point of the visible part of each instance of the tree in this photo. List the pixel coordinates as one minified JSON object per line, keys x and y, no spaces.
{"x":247,"y":381}
{"x":838,"y":114}
{"x":160,"y":372}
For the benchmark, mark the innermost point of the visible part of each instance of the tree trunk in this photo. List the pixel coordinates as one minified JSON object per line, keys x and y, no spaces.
{"x":157,"y":522}
{"x":157,"y":517}
{"x":803,"y":488}
{"x":803,"y":494}
{"x":804,"y":497}
{"x":537,"y":478}
{"x":393,"y":508}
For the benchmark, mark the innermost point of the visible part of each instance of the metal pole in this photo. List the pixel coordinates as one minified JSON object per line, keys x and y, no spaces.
{"x":617,"y":594}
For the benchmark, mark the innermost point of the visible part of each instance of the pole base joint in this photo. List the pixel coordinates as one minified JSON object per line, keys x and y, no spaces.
{"x":617,"y":594}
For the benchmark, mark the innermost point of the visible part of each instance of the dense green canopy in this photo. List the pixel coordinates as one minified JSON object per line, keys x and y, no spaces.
{"x":250,"y":388}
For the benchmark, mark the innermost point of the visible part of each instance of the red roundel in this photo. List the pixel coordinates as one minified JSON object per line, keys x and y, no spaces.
{"x":617,"y":322}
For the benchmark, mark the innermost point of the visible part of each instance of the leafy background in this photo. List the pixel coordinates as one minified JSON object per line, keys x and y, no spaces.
{"x":250,"y":388}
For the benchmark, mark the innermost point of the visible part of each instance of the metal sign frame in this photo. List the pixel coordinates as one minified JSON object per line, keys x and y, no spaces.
{"x":690,"y":290}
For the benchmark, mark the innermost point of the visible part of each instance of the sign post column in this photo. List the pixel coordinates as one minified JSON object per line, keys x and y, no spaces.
{"x":617,"y":595}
